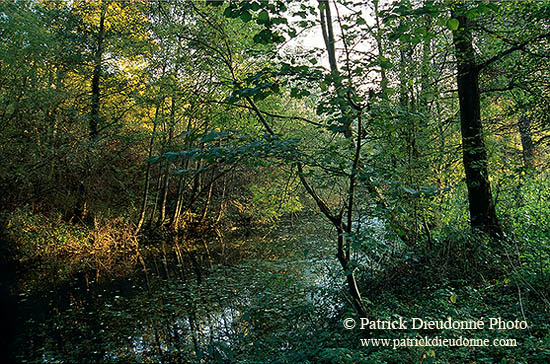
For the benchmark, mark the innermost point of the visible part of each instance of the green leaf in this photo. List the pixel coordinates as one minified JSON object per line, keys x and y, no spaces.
{"x":218,"y":356}
{"x":492,"y":7}
{"x":384,"y":62}
{"x":185,"y":133}
{"x":171,"y":155}
{"x":227,"y":12}
{"x":245,"y":16}
{"x":231,"y":99}
{"x":473,"y":13}
{"x":214,"y":2}
{"x":409,"y":190}
{"x":275,"y":88}
{"x":214,"y":135}
{"x":453,"y":24}
{"x":279,"y":20}
{"x":263,"y":17}
{"x":264,"y":37}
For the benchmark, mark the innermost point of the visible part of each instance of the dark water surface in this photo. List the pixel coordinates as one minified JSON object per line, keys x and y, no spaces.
{"x":250,"y":309}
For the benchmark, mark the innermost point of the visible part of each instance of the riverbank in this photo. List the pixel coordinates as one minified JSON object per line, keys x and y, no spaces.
{"x":281,"y":300}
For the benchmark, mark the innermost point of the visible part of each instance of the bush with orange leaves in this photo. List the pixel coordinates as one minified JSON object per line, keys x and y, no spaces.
{"x":50,"y":249}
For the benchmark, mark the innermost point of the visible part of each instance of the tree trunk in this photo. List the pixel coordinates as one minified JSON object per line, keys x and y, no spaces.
{"x":166,"y":180}
{"x":157,"y":191}
{"x":330,"y":42}
{"x":98,"y":59}
{"x":147,"y":174}
{"x":164,"y":193}
{"x":179,"y":200}
{"x":528,"y":149}
{"x":482,"y":209}
{"x":328,"y":34}
{"x":181,"y":181}
{"x":207,"y":204}
{"x":344,"y":248}
{"x":380,"y":45}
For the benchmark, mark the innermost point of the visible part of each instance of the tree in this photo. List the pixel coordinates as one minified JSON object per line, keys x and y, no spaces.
{"x":482,"y":210}
{"x":343,"y":108}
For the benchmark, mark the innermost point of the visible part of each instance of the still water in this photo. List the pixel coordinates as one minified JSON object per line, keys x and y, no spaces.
{"x":287,"y":287}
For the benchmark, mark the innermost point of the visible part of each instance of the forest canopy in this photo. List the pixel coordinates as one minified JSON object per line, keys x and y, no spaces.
{"x":415,"y":135}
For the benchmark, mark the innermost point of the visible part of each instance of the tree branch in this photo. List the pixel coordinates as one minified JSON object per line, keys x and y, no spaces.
{"x":320,"y":203}
{"x":260,"y":115}
{"x":270,"y":114}
{"x":512,"y":49}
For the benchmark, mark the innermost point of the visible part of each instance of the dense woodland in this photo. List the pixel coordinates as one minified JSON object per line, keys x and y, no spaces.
{"x":402,"y":147}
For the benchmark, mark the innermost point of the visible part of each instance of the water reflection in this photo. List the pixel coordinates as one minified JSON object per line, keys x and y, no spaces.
{"x":200,"y":318}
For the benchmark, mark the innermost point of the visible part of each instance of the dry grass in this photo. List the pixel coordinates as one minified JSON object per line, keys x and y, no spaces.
{"x":53,"y":249}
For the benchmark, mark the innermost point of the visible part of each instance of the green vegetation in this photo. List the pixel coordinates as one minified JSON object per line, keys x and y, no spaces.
{"x":228,"y":181}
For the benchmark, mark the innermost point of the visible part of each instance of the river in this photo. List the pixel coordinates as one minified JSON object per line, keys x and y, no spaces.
{"x":286,"y":286}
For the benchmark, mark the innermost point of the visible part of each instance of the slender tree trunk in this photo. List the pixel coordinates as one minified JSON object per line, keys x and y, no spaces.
{"x":325,"y":17}
{"x":344,"y":259}
{"x":81,"y":210}
{"x":98,"y":59}
{"x":179,"y":199}
{"x":343,"y":246}
{"x":181,"y":181}
{"x":380,"y":45}
{"x":147,"y":173}
{"x":403,"y":76}
{"x":426,"y":71}
{"x":482,"y":209}
{"x":166,"y":180}
{"x":164,"y":194}
{"x":207,"y":203}
{"x":528,"y":149}
{"x":222,"y":201}
{"x":328,"y":34}
{"x":157,"y":191}
{"x":198,"y":179}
